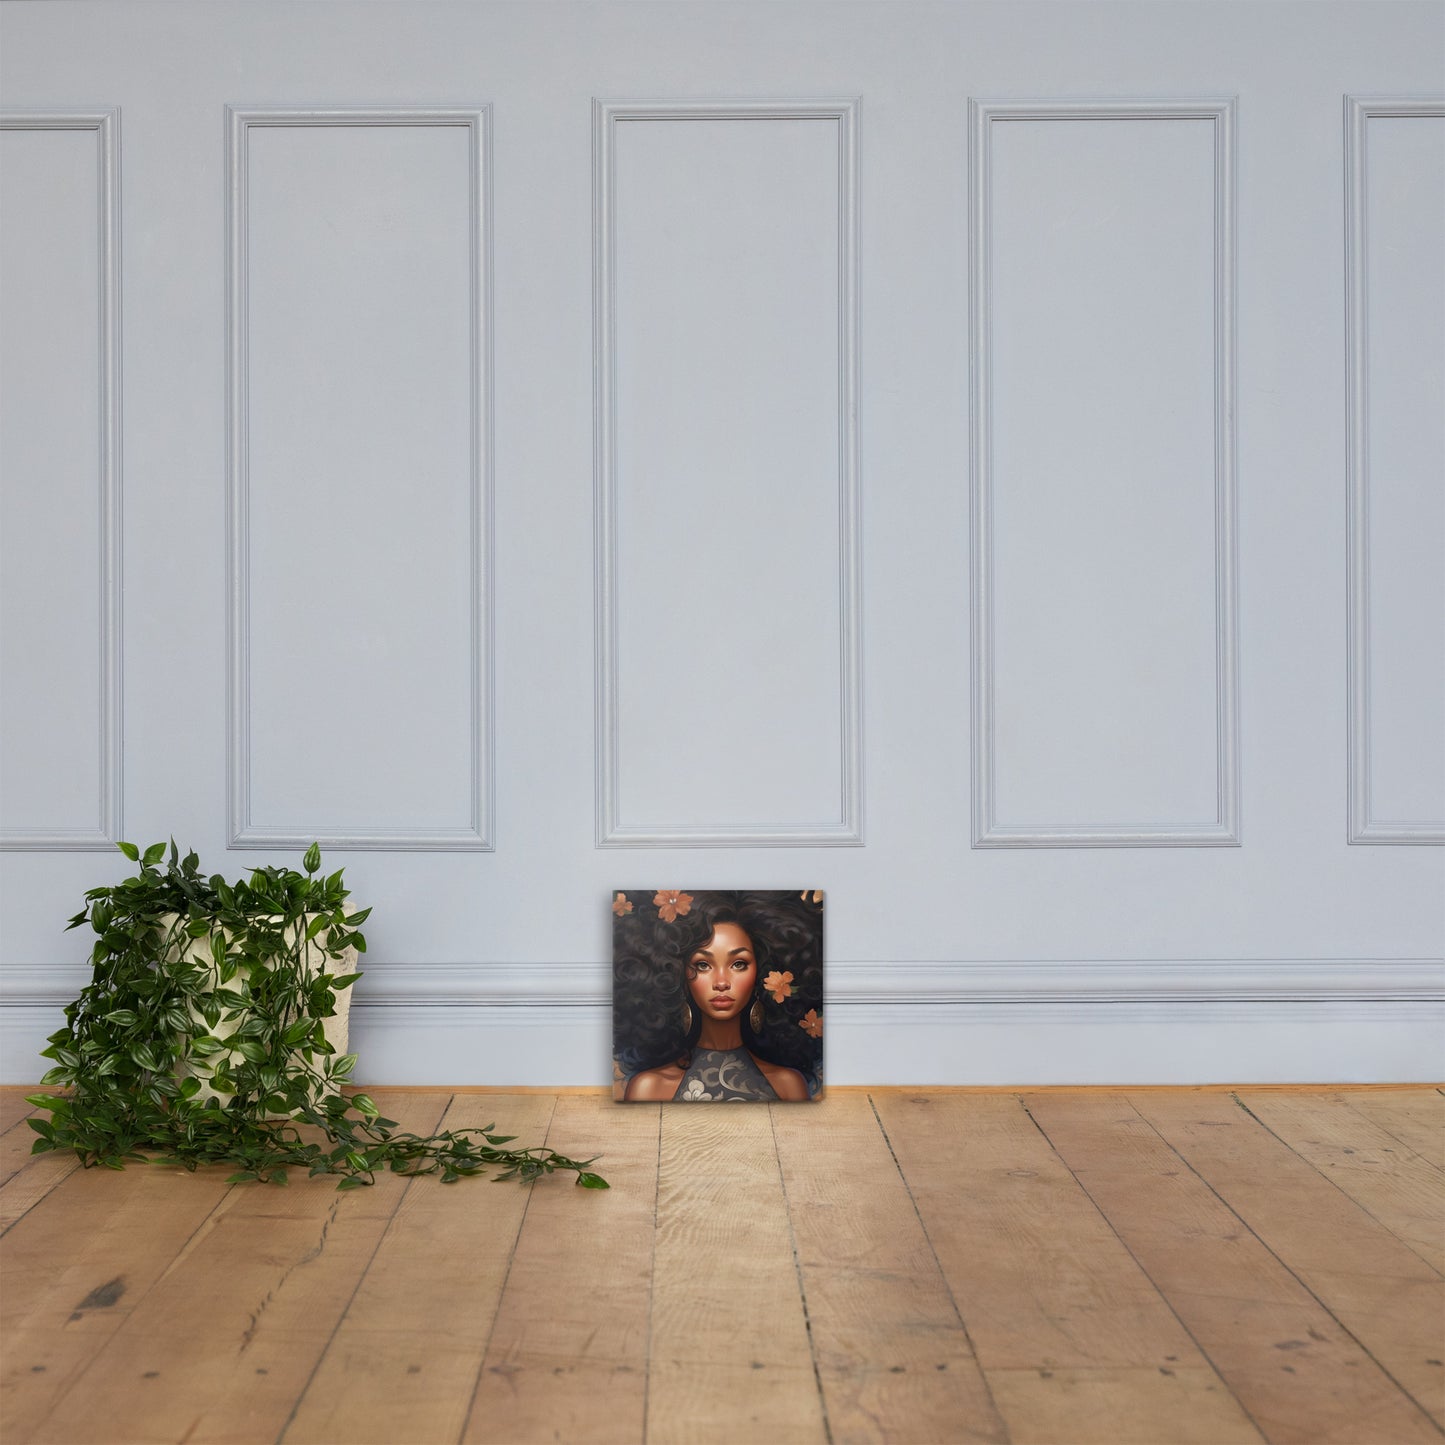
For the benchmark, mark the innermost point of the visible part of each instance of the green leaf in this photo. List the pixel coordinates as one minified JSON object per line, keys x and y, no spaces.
{"x":592,"y":1181}
{"x":345,"y":981}
{"x":153,"y":855}
{"x":352,"y":1182}
{"x":130,"y":850}
{"x":312,"y":859}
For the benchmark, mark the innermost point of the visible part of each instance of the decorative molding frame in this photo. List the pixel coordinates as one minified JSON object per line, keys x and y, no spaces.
{"x":244,"y":832}
{"x":101,"y":839}
{"x":1363,"y":828}
{"x":988,"y":831}
{"x":611,"y":831}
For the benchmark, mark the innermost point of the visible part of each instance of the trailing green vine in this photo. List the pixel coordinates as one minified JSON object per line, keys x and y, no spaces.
{"x":201,"y":1038}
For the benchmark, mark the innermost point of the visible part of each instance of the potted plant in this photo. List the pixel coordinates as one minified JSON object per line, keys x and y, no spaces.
{"x":213,"y":1031}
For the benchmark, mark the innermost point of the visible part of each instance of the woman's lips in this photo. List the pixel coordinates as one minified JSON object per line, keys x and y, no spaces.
{"x":721,"y":998}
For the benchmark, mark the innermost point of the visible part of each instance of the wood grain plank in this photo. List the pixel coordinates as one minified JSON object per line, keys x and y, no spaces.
{"x":1121,"y":1406}
{"x":15,"y":1146}
{"x":1040,"y":1277}
{"x":568,"y":1353}
{"x":13,"y":1108}
{"x":224,"y":1343}
{"x":78,"y":1264}
{"x":25,"y":1177}
{"x":25,"y":1188}
{"x":1388,"y":1298}
{"x":730,"y":1358}
{"x":402,"y":1362}
{"x":1380,"y":1174}
{"x":1301,"y":1378}
{"x":889,"y":1339}
{"x":1416,"y":1119}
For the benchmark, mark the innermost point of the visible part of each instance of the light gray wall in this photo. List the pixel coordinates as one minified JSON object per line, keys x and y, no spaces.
{"x":982,"y":460}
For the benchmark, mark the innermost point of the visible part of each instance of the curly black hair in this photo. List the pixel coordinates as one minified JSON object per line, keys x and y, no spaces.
{"x":649,"y":976}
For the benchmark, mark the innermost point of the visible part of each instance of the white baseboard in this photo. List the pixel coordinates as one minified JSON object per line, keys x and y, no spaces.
{"x":1149,"y":1021}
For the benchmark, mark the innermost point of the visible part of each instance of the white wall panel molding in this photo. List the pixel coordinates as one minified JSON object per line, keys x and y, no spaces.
{"x":101,"y":835}
{"x":896,"y":985}
{"x":1135,"y":1021}
{"x":479,"y":766}
{"x":614,"y":829}
{"x":872,"y":985}
{"x":1364,"y":825}
{"x":989,"y":829}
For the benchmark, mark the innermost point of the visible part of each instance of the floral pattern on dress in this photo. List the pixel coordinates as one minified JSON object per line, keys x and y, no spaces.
{"x":723,"y":1076}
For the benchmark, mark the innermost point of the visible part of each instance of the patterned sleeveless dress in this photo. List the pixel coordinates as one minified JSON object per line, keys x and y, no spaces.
{"x":723,"y":1075}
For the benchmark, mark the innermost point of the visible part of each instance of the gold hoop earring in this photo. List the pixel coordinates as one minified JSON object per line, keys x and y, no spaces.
{"x":755,"y":1015}
{"x":687,"y":1017}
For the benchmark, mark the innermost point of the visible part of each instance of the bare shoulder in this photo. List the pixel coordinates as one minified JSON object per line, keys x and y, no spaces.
{"x":787,"y":1083}
{"x":652,"y":1084}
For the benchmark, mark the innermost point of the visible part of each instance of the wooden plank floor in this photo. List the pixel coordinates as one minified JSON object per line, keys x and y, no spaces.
{"x":907,"y":1265}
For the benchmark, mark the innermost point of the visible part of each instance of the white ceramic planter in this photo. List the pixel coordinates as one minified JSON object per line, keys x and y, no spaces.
{"x":198,"y":951}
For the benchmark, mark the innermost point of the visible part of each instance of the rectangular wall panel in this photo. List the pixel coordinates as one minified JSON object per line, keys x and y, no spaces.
{"x":1395,"y":203}
{"x":360,"y":480}
{"x":60,"y":688}
{"x":726,"y":415}
{"x":1104,"y":653}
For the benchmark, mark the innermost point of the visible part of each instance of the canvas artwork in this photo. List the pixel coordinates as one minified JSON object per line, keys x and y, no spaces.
{"x":717,"y":996}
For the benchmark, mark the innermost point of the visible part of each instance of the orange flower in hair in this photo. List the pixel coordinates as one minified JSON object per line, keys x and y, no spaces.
{"x":780,"y":985}
{"x":620,"y":905}
{"x":814,"y":895}
{"x":812,"y":1024}
{"x":671,"y":905}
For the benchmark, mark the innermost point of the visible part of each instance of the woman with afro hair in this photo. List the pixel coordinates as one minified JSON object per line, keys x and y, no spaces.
{"x":717,"y":995}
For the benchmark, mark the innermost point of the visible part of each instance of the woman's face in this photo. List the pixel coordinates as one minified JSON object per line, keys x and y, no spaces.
{"x":722,"y":971}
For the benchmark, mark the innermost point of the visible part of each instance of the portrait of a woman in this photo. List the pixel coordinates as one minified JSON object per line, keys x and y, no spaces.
{"x":717,"y":996}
